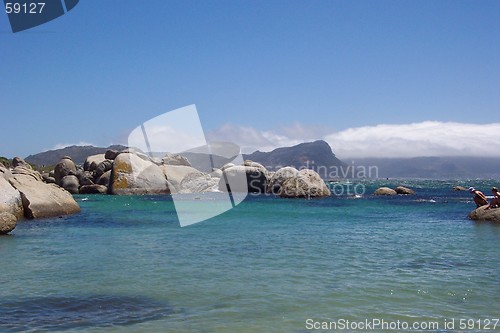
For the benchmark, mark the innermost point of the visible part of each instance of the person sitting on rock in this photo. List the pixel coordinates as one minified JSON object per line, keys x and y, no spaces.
{"x":479,"y":197}
{"x":495,"y":202}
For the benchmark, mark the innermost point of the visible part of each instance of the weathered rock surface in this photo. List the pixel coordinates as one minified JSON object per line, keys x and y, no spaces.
{"x":174,"y":159}
{"x":93,"y":161}
{"x":43,"y":200}
{"x":7,"y":223}
{"x":385,"y":191}
{"x":482,"y":214}
{"x":70,"y":183}
{"x":10,"y":199}
{"x":243,"y":179}
{"x":176,"y":173}
{"x":198,"y":183}
{"x":21,"y":170}
{"x":93,"y":189}
{"x":306,"y":184}
{"x":133,"y":175}
{"x":279,"y":177}
{"x":216,"y":173}
{"x":404,"y":190}
{"x":64,"y":168}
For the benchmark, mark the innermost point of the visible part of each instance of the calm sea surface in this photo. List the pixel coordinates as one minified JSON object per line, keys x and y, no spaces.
{"x":125,"y":265}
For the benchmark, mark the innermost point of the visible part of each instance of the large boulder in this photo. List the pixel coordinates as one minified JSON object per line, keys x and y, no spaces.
{"x":279,"y":177}
{"x":93,"y":189}
{"x":305,"y":184}
{"x":133,"y":175}
{"x":243,"y":179}
{"x":176,"y":173}
{"x":93,"y":161}
{"x":404,"y":190}
{"x":7,"y":223}
{"x":197,"y":183}
{"x":175,"y":159}
{"x":483,"y":214}
{"x":10,"y":199}
{"x":385,"y":191}
{"x":71,"y":184}
{"x":64,"y":168}
{"x":43,"y":200}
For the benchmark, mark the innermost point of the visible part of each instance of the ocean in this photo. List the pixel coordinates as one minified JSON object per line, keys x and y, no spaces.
{"x":269,"y":265}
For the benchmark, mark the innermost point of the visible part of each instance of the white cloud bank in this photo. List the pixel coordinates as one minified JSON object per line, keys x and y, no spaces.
{"x":429,"y":138}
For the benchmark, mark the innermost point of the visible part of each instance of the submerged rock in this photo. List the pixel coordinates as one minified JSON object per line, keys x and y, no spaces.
{"x":385,"y":191}
{"x":483,"y":214}
{"x":7,"y":223}
{"x":404,"y":190}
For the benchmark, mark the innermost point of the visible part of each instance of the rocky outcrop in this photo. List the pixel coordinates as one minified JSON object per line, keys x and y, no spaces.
{"x":7,"y":223}
{"x":174,"y":159}
{"x":305,"y":184}
{"x":404,"y":190}
{"x":10,"y":199}
{"x":385,"y":191}
{"x":132,"y":174}
{"x":43,"y":200}
{"x":483,"y":214}
{"x":243,"y":179}
{"x":64,"y":168}
{"x":279,"y":177}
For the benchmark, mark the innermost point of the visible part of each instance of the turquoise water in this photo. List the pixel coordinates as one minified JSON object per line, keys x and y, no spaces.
{"x":124,"y":265}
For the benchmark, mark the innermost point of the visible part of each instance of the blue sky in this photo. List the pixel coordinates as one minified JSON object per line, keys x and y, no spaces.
{"x":261,"y":73}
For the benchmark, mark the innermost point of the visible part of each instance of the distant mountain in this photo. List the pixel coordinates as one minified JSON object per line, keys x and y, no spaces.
{"x":77,"y":153}
{"x":433,"y":167}
{"x":317,"y":155}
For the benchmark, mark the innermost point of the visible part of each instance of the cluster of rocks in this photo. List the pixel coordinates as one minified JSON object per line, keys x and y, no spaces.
{"x":398,"y":190}
{"x":483,"y":214}
{"x":133,"y":172}
{"x":24,"y":194}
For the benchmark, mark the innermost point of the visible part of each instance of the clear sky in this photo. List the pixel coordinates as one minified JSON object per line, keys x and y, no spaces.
{"x":360,"y":74}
